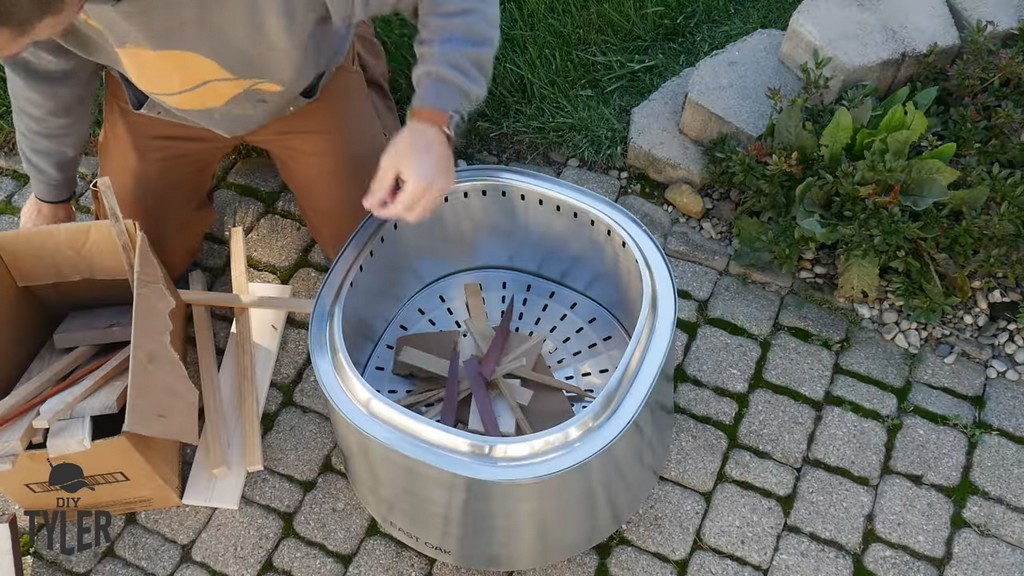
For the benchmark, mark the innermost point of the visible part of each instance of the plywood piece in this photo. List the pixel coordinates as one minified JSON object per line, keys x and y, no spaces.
{"x":205,"y":488}
{"x":109,"y":399}
{"x":248,"y":411}
{"x":69,"y":436}
{"x":46,"y":377}
{"x":60,"y":405}
{"x":206,"y":354}
{"x":105,"y":325}
{"x":502,"y":412}
{"x":436,"y":344}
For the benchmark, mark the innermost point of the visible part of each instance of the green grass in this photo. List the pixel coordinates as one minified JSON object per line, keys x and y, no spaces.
{"x":569,"y":71}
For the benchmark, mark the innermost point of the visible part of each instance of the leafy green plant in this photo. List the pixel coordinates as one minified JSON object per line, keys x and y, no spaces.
{"x":879,"y":182}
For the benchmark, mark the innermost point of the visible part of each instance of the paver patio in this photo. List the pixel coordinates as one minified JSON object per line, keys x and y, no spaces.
{"x":803,"y":446}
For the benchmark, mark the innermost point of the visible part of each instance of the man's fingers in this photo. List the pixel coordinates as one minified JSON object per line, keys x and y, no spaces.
{"x":403,"y":204}
{"x":381,"y":187}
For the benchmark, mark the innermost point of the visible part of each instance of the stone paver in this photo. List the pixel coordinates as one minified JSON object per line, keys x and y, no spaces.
{"x":258,"y":173}
{"x":798,"y":555}
{"x":995,"y":520}
{"x":1003,"y":401}
{"x":305,"y":284}
{"x":82,"y":562}
{"x":629,"y":561}
{"x":746,"y":305}
{"x":742,"y":466}
{"x":596,"y":182}
{"x":832,"y":507}
{"x":238,"y":542}
{"x":720,"y":360}
{"x":679,"y":342}
{"x":181,"y":524}
{"x":963,"y":376}
{"x":272,"y":489}
{"x":917,"y":517}
{"x":114,"y":566}
{"x":874,"y":41}
{"x":8,"y":223}
{"x":777,"y":426}
{"x":667,"y":522}
{"x":277,"y":242}
{"x":301,"y":559}
{"x":293,"y":356}
{"x":943,"y":404}
{"x":799,"y":366}
{"x":976,"y":555}
{"x":298,"y":443}
{"x":148,"y":550}
{"x":655,"y":145}
{"x":695,"y":455}
{"x":742,"y":524}
{"x":308,"y":393}
{"x":998,"y":469}
{"x":704,"y":403}
{"x":654,"y":218}
{"x":705,"y":563}
{"x":687,"y":310}
{"x":380,"y":555}
{"x":9,"y":187}
{"x":332,"y":515}
{"x":853,"y":443}
{"x":233,"y":209}
{"x":797,"y":312}
{"x":717,"y":105}
{"x":318,"y":258}
{"x":584,"y":564}
{"x":694,"y":279}
{"x":871,"y":355}
{"x":882,"y":560}
{"x":687,"y":243}
{"x":289,"y":205}
{"x":935,"y":454}
{"x":864,"y":395}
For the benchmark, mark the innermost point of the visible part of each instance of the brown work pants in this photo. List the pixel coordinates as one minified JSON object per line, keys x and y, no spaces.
{"x":163,"y":172}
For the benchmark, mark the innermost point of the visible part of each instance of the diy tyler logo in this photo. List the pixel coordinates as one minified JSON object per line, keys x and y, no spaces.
{"x":69,"y":478}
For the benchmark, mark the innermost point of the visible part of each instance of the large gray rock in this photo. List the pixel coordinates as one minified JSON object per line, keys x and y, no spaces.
{"x":1002,"y":16}
{"x":655,"y":143}
{"x":729,"y":90}
{"x":881,"y":41}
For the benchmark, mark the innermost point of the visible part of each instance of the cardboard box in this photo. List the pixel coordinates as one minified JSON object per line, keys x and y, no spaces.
{"x":49,"y":271}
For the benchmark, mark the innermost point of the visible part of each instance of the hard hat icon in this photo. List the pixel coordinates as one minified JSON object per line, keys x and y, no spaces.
{"x":69,"y":478}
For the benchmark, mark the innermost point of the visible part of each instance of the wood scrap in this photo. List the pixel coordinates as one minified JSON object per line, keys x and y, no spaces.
{"x":231,"y":300}
{"x":15,"y":436}
{"x":61,"y":404}
{"x":206,"y":354}
{"x":69,"y":436}
{"x":105,"y":325}
{"x":34,"y":403}
{"x":204,"y":488}
{"x":109,"y":399}
{"x":45,"y":379}
{"x":250,"y":412}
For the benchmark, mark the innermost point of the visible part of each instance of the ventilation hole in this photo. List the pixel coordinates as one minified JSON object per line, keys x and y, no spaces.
{"x":403,"y":327}
{"x":602,"y":371}
{"x":575,"y":214}
{"x":504,"y":285}
{"x":389,"y":346}
{"x":592,"y":346}
{"x":563,"y":317}
{"x":379,"y":369}
{"x":381,"y":239}
{"x":558,"y":208}
{"x":572,"y":306}
{"x":551,"y":296}
{"x":371,"y":253}
{"x":623,"y":243}
{"x":458,"y":325}
{"x":544,"y":308}
{"x":441,"y":297}
{"x":446,"y":199}
{"x":351,"y":283}
{"x":420,"y":310}
{"x":464,"y":334}
{"x":591,"y":222}
{"x":606,"y":338}
{"x":517,"y":329}
{"x":483,"y":192}
{"x":450,"y":312}
{"x":586,"y":375}
{"x":569,"y":377}
{"x":592,"y":320}
{"x":609,"y":232}
{"x":560,"y":360}
{"x":520,"y":316}
{"x":465,"y":193}
{"x":394,"y":226}
{"x":360,"y":268}
{"x":392,"y":391}
{"x":567,"y":338}
{"x":577,"y":353}
{"x":584,"y":407}
{"x":540,"y":201}
{"x":431,"y":322}
{"x":553,"y":328}
{"x":589,"y":390}
{"x":522,"y":197}
{"x":504,"y":194}
{"x":524,"y":301}
{"x":537,"y":322}
{"x":580,"y":329}
{"x":503,"y":299}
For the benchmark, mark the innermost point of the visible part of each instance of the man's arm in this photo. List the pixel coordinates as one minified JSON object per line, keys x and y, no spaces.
{"x":52,"y":92}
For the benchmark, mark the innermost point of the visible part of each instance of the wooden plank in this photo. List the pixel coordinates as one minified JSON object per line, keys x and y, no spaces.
{"x":70,"y":381}
{"x":104,"y":325}
{"x":10,"y":546}
{"x":69,"y":436}
{"x":46,"y":378}
{"x":205,"y":488}
{"x":109,"y":399}
{"x":206,"y":353}
{"x":232,"y":300}
{"x":113,"y":212}
{"x":7,"y":462}
{"x":15,"y":436}
{"x":249,"y":410}
{"x":61,"y":404}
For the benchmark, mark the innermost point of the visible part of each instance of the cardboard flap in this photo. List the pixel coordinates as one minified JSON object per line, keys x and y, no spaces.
{"x":72,"y":251}
{"x":162,"y":401}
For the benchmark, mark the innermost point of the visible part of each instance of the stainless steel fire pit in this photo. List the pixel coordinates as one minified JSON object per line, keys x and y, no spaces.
{"x":584,"y":271}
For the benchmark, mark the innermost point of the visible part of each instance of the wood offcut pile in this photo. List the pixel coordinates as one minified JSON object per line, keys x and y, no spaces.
{"x":494,"y":382}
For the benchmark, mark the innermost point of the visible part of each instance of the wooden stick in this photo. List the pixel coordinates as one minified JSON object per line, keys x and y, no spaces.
{"x":206,"y":353}
{"x":433,"y":412}
{"x":549,"y":381}
{"x":250,"y":409}
{"x":513,"y":403}
{"x":59,"y":407}
{"x":113,"y":211}
{"x":48,"y":377}
{"x":109,"y":399}
{"x":38,"y":400}
{"x":230,"y":300}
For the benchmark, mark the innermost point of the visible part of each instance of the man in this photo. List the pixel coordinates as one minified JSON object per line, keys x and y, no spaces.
{"x":188,"y":80}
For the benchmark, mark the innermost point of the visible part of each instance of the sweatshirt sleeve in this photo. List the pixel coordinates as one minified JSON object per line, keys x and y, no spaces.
{"x":455,"y":49}
{"x":52,"y":92}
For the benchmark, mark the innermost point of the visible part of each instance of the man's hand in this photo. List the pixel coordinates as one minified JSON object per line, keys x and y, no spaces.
{"x":415,"y":172}
{"x":36,"y":213}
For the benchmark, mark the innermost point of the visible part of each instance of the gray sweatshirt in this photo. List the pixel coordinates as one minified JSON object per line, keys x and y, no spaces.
{"x":227,"y":65}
